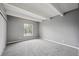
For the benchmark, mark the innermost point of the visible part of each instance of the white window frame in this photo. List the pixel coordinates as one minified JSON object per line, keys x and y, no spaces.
{"x":28,"y":34}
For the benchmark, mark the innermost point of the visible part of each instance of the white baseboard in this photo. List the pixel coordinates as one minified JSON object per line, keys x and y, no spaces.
{"x":52,"y":41}
{"x":15,"y":41}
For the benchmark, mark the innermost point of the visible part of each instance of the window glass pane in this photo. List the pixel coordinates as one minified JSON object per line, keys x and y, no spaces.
{"x":28,"y":29}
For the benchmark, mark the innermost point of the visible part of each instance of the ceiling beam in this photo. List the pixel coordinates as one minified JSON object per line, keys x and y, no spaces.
{"x":16,"y":11}
{"x":16,"y":14}
{"x":57,"y":10}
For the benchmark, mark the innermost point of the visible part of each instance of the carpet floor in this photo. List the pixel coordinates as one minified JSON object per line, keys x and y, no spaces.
{"x":38,"y":47}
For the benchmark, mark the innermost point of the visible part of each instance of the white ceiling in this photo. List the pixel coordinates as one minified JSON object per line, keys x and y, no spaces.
{"x":39,"y":11}
{"x":65,"y":7}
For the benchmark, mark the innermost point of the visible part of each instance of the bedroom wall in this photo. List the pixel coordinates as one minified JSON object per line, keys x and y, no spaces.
{"x":3,"y":10}
{"x":2,"y":34}
{"x":62,"y":29}
{"x":2,"y":31}
{"x":16,"y":29}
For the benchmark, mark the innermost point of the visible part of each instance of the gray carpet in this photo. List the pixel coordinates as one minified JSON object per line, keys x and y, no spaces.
{"x":38,"y":47}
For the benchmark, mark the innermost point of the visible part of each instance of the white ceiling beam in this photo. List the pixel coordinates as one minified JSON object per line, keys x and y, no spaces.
{"x":19,"y":12}
{"x":52,"y":6}
{"x":16,"y":14}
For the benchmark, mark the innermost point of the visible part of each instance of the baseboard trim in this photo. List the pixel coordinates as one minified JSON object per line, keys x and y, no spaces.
{"x":52,"y":41}
{"x":15,"y":42}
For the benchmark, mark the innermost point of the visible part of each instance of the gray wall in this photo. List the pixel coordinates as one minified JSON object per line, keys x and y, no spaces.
{"x":63,"y":29}
{"x":2,"y":34}
{"x":2,"y":31}
{"x":16,"y":29}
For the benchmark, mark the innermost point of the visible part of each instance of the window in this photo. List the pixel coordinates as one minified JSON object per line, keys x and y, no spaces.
{"x":28,"y":29}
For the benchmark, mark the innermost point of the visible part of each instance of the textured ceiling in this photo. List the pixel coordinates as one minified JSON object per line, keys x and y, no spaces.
{"x":41,"y":9}
{"x":45,"y":10}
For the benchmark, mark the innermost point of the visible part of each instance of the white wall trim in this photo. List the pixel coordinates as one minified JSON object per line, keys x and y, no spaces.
{"x":52,"y":41}
{"x":3,"y":15}
{"x":14,"y":42}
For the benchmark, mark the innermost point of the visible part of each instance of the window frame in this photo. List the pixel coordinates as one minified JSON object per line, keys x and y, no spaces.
{"x":28,"y":34}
